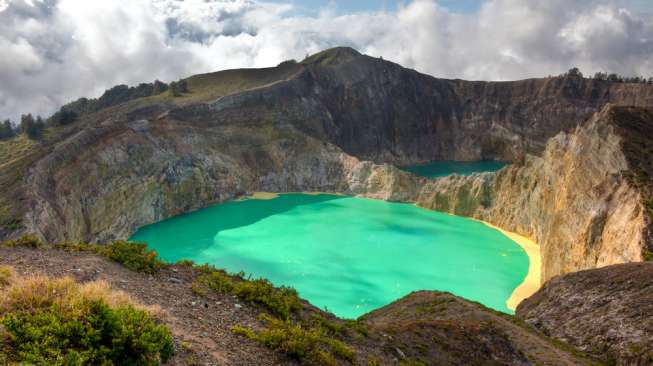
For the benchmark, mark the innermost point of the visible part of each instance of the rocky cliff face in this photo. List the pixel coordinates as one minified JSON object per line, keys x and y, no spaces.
{"x":578,"y":199}
{"x":334,"y":124}
{"x":602,"y":311}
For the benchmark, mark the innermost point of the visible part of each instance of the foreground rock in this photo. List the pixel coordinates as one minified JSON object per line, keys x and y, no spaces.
{"x":605,"y":311}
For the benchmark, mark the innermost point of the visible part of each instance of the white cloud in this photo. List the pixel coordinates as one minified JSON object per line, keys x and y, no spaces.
{"x":53,"y":51}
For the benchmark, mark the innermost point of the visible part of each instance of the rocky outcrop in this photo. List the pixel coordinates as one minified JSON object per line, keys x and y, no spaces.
{"x":461,"y":333}
{"x":603,"y":311}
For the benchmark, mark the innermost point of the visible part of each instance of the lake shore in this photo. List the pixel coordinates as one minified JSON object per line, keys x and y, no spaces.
{"x":273,"y":195}
{"x":532,"y":281}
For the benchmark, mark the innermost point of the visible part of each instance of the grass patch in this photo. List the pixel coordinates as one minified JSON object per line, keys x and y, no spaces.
{"x":7,"y":274}
{"x":60,"y":322}
{"x":308,"y":346}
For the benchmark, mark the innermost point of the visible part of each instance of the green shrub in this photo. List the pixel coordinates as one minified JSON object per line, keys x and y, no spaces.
{"x":123,"y":336}
{"x":28,"y":241}
{"x":305,"y":345}
{"x":185,"y":263}
{"x":280,"y":301}
{"x":60,"y":322}
{"x":134,"y":256}
{"x":217,"y":281}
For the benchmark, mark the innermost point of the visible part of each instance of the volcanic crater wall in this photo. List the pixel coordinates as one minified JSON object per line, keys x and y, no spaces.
{"x":335,"y":127}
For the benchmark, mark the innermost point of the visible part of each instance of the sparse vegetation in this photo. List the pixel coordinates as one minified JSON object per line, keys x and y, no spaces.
{"x":7,"y":274}
{"x":647,"y":255}
{"x":60,"y":322}
{"x":281,"y":301}
{"x":27,"y":241}
{"x":185,"y":263}
{"x":135,"y":256}
{"x":310,"y":346}
{"x":574,"y":72}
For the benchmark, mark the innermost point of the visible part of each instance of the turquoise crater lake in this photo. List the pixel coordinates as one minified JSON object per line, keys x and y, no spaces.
{"x":438,"y":169}
{"x":348,"y":255}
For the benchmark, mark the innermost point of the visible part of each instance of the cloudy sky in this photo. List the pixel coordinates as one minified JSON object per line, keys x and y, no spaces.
{"x":53,"y":51}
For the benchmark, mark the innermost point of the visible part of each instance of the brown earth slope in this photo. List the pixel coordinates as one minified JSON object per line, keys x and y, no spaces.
{"x":424,"y":328}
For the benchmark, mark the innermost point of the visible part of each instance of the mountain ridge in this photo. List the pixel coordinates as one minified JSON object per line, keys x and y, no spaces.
{"x":328,"y":127}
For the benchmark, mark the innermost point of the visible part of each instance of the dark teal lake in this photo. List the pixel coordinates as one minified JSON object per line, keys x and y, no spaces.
{"x":443,"y":168}
{"x":348,"y":255}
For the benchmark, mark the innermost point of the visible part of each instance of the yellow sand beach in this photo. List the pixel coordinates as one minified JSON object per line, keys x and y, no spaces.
{"x":532,"y":281}
{"x":272,"y":195}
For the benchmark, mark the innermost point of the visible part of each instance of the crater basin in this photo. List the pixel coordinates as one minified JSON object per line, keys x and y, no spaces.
{"x":438,"y":169}
{"x":348,"y":255}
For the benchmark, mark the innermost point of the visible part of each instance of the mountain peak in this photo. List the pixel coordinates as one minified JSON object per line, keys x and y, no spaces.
{"x":333,"y":56}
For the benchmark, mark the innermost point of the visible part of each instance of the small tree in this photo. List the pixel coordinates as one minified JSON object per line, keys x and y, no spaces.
{"x":574,"y":72}
{"x":159,"y":87}
{"x":31,"y":127}
{"x":614,"y":78}
{"x":6,"y":130}
{"x":63,"y":117}
{"x":183,"y":86}
{"x":174,"y":89}
{"x":601,"y":76}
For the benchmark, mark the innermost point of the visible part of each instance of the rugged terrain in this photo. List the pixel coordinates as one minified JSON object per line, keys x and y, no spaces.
{"x":580,"y":185}
{"x":424,"y":328}
{"x":339,"y":122}
{"x":605,"y":311}
{"x":586,"y":200}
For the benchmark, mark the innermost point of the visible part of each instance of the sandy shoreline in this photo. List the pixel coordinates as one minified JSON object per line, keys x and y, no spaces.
{"x":532,"y":282}
{"x":272,"y":195}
